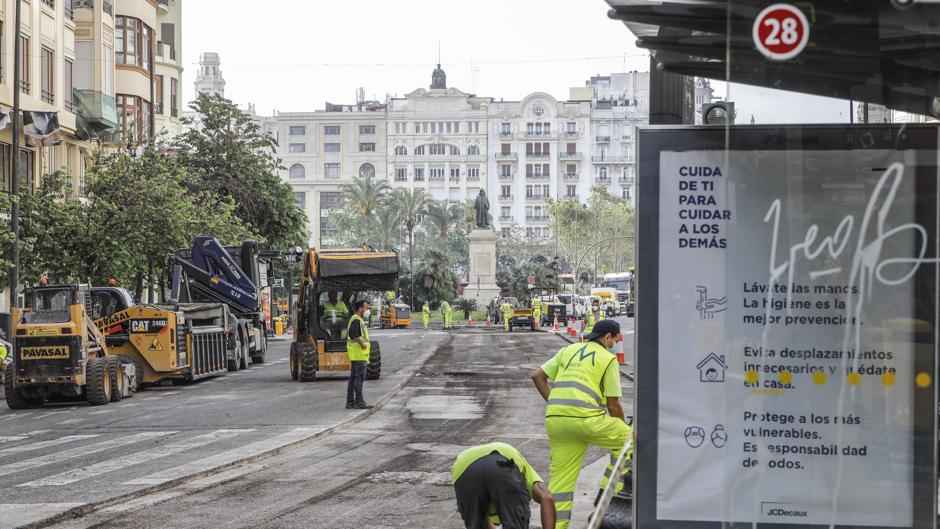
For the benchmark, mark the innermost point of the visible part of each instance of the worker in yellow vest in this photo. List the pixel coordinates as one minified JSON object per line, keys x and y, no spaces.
{"x":447,"y":314}
{"x":494,"y":483}
{"x":358,"y":348}
{"x":583,"y":408}
{"x":593,"y":316}
{"x":426,"y":315}
{"x":506,"y":309}
{"x":537,"y":310}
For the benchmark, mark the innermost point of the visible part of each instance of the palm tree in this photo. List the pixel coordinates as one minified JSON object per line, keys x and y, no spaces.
{"x":469,"y":214}
{"x":411,"y":204}
{"x":364,"y":193}
{"x":443,"y":215}
{"x":389,"y":217}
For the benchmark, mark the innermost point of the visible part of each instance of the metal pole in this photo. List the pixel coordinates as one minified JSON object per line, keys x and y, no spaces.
{"x":577,"y":266}
{"x":290,"y":284}
{"x":15,"y":177}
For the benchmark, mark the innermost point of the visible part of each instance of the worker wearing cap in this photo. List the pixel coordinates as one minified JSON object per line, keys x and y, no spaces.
{"x":426,"y":315}
{"x":358,"y":348}
{"x":583,"y":409}
{"x":446,"y":314}
{"x":537,"y":310}
{"x":494,"y":483}
{"x":506,"y":309}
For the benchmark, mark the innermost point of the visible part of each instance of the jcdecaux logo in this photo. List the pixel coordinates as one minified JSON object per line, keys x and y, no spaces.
{"x":775,"y":509}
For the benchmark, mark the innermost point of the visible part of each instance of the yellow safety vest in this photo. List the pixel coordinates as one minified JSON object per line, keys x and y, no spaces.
{"x":426,"y":310}
{"x":506,"y":308}
{"x":3,"y":355}
{"x":576,"y":388}
{"x":591,"y":320}
{"x":339,"y":307}
{"x":356,"y":352}
{"x":536,"y":304}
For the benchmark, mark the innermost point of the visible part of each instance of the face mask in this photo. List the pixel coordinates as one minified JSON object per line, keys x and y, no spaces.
{"x":366,"y":314}
{"x":612,"y":349}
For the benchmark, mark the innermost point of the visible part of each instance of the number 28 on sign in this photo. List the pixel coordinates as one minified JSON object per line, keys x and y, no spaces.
{"x":781,"y":32}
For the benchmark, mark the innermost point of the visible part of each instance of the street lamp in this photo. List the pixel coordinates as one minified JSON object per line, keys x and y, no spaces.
{"x":294,"y":254}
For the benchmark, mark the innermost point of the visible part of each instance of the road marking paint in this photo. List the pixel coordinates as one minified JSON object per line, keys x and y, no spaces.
{"x":413,"y":478}
{"x":99,"y":412}
{"x":44,"y":444}
{"x":223,"y":458}
{"x":130,"y":460}
{"x":11,"y":438}
{"x":49,"y":414}
{"x":457,"y":407}
{"x":58,"y":457}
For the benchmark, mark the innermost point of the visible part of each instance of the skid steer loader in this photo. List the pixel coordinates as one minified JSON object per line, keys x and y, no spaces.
{"x":319,"y":345}
{"x":59,"y":352}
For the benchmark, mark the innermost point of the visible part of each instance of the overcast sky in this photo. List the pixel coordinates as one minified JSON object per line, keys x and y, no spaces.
{"x":294,"y":55}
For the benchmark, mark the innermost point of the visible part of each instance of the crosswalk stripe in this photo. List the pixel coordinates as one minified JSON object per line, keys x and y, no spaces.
{"x":44,"y":444}
{"x":59,"y":457}
{"x":242,"y":452}
{"x":27,"y":435}
{"x":130,"y":460}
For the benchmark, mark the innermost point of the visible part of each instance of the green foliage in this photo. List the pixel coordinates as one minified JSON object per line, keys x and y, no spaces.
{"x":349,"y":225}
{"x":435,"y":279}
{"x":389,"y":219}
{"x":577,"y":227}
{"x":230,"y":157}
{"x":518,"y":257}
{"x":465,"y":305}
{"x":443,"y":217}
{"x":364,"y":194}
{"x":6,"y":240}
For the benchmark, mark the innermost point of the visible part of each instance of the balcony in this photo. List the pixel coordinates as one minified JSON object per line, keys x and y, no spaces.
{"x":509,"y":176}
{"x":572,"y":177}
{"x":612,"y":159}
{"x":505,"y":198}
{"x":537,"y":176}
{"x":537,"y":155}
{"x":505,"y":134}
{"x":108,"y":7}
{"x":571,"y":134}
{"x":164,"y":6}
{"x":537,"y":218}
{"x":69,"y":10}
{"x":505,"y":218}
{"x":602,"y":139}
{"x":537,"y":196}
{"x":574,"y":197}
{"x":95,"y":112}
{"x":166,"y":52}
{"x":602,"y":180}
{"x":570,"y":156}
{"x":473,"y":178}
{"x":626,"y":180}
{"x":508,"y":156}
{"x":538,"y":134}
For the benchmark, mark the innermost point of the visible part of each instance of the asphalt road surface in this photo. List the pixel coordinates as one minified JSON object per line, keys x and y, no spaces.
{"x":389,"y":469}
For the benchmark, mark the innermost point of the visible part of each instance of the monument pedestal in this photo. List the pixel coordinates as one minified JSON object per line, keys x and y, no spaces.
{"x":482,"y":278}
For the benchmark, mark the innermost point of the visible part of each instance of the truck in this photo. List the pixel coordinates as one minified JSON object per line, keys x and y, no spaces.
{"x":608,"y":300}
{"x":319,"y":345}
{"x":59,"y":353}
{"x":233,"y":276}
{"x":623,"y":284}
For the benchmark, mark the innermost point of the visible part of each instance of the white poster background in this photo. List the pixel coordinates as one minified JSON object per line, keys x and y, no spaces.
{"x":702,"y":443}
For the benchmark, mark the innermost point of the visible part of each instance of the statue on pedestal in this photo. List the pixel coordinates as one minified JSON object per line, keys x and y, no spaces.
{"x":438,"y":79}
{"x":482,"y":207}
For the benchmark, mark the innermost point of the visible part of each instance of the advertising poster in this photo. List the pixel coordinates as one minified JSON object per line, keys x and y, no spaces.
{"x":787,"y":326}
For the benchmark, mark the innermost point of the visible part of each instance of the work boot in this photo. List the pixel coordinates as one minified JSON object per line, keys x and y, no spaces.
{"x":350,"y":405}
{"x":362,"y":406}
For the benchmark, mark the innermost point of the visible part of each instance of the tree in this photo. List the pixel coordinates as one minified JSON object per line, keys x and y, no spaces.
{"x":519,"y":257}
{"x":364,"y":194}
{"x":389,"y":218}
{"x":347,"y":224}
{"x":434,"y":279}
{"x":443,"y":215}
{"x":227,"y":155}
{"x":412,"y":204}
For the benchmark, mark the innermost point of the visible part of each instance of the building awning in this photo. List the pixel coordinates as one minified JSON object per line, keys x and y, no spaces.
{"x":876,"y":51}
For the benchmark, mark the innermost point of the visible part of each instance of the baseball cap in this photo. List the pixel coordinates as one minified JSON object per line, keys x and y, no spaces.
{"x":601,"y":328}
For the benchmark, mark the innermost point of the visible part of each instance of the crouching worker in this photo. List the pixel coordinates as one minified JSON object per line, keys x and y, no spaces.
{"x":494,"y":484}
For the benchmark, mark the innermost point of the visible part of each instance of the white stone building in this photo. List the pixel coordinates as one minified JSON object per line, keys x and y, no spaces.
{"x":209,"y":80}
{"x":539,"y":150}
{"x":704,"y":95}
{"x":437,"y":141}
{"x":323,"y":150}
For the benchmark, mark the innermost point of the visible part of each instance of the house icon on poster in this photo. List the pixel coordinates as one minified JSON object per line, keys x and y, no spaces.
{"x":712,"y":368}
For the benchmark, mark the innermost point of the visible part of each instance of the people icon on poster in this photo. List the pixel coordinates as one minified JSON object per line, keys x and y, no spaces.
{"x":694,"y":436}
{"x":712,"y":368}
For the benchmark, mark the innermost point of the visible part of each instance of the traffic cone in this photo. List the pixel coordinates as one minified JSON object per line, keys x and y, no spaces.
{"x":555,"y":325}
{"x":620,"y":359}
{"x":470,"y":321}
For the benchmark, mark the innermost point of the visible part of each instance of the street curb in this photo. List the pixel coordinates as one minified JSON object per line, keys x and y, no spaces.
{"x":89,"y":508}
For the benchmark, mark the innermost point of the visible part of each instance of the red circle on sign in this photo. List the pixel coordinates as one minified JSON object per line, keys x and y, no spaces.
{"x":781,"y":32}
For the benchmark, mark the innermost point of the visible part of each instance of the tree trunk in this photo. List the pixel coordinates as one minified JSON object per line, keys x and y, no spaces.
{"x":138,"y":285}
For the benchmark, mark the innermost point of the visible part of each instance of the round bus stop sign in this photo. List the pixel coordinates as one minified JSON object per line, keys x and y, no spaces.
{"x":781,"y":31}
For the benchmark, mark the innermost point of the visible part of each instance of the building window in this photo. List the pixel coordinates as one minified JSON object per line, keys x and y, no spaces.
{"x":572,"y":192}
{"x":538,"y":111}
{"x":297,"y":171}
{"x":47,"y":64}
{"x":367,"y":170}
{"x":401,"y":150}
{"x":297,"y":130}
{"x":419,"y":174}
{"x":419,"y":150}
{"x":366,"y":147}
{"x":473,"y":150}
{"x":300,"y":200}
{"x":401,"y":174}
{"x":158,"y":94}
{"x":456,"y":127}
{"x":505,"y":170}
{"x":571,"y":128}
{"x":134,"y":117}
{"x":505,"y":213}
{"x":297,"y":147}
{"x":331,"y":170}
{"x":332,"y":147}
{"x":174,"y":97}
{"x":454,"y":151}
{"x":505,"y":129}
{"x":437,"y":173}
{"x":331,"y":130}
{"x":132,"y":42}
{"x":455,"y":173}
{"x":68,"y":84}
{"x":366,"y":130}
{"x":602,"y":173}
{"x":506,"y":192}
{"x":24,"y":65}
{"x":571,"y":170}
{"x":436,"y":149}
{"x":473,"y":173}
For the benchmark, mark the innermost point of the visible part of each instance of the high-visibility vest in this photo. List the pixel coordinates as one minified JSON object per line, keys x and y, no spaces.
{"x":338,"y":309}
{"x":426,"y":311}
{"x":576,"y":388}
{"x":506,"y":308}
{"x":3,"y":355}
{"x":536,"y":304}
{"x":591,"y":320}
{"x":356,"y":352}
